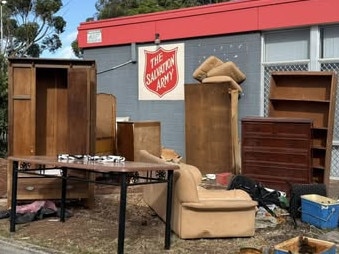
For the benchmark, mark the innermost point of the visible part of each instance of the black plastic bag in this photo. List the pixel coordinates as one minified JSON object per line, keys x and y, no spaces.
{"x":257,"y":192}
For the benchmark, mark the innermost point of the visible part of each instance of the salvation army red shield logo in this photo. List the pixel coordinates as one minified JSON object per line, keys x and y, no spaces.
{"x":161,"y":71}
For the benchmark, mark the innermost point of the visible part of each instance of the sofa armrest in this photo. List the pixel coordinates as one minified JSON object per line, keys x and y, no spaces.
{"x":221,"y":205}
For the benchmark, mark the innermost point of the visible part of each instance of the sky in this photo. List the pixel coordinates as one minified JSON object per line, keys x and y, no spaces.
{"x":74,"y":12}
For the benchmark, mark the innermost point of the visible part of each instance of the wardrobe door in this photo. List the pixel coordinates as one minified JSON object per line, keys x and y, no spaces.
{"x":21,"y":110}
{"x":81,"y":112}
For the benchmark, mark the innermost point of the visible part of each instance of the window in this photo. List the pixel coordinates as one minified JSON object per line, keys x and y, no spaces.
{"x":330,"y":42}
{"x":287,"y":45}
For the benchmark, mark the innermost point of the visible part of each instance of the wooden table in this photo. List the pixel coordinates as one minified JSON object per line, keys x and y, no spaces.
{"x":128,"y":173}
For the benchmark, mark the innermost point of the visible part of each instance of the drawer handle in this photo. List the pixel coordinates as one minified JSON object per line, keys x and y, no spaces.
{"x":30,"y":188}
{"x":70,"y":187}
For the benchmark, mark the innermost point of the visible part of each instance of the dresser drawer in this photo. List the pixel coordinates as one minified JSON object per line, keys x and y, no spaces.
{"x":276,"y":142}
{"x":273,"y":156}
{"x":50,"y":188}
{"x":280,"y":170}
{"x":274,"y":129}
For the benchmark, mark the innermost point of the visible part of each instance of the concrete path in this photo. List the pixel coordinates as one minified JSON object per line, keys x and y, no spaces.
{"x":8,"y":246}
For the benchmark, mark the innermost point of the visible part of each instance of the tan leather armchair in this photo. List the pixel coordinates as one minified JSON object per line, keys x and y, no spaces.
{"x":198,"y":212}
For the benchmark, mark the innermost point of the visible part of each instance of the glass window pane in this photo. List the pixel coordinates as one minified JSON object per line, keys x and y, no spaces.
{"x":330,"y":42}
{"x":287,"y":45}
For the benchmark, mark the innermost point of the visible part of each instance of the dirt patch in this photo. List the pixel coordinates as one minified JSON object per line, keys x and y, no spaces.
{"x":95,"y":230}
{"x":3,"y":177}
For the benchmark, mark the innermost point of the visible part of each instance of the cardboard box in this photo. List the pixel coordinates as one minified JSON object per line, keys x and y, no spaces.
{"x":297,"y":244}
{"x":319,"y":211}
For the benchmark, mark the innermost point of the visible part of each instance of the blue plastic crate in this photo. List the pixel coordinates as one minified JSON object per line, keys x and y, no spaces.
{"x":319,"y":211}
{"x":292,"y":246}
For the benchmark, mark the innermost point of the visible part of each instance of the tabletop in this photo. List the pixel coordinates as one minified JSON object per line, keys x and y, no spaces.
{"x":96,"y":166}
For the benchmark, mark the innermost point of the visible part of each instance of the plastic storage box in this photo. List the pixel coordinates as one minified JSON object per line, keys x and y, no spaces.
{"x":319,"y":211}
{"x":294,"y":245}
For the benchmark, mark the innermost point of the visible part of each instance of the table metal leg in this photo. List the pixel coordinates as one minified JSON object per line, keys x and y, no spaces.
{"x":168,"y":210}
{"x":122,"y":212}
{"x":14,"y":195}
{"x":63,"y":194}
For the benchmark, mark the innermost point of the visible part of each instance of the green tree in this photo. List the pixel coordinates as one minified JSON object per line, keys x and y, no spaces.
{"x":116,"y":8}
{"x":78,"y":52}
{"x":3,"y":106}
{"x":31,"y":27}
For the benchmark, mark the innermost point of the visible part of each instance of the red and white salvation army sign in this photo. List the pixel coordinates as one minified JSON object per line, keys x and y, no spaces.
{"x":159,"y":75}
{"x":161,"y":70}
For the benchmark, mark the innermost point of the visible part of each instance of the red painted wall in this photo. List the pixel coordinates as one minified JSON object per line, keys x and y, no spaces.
{"x":224,"y":18}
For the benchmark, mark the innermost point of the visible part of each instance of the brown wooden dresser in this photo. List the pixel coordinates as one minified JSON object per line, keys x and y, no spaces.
{"x":277,"y":151}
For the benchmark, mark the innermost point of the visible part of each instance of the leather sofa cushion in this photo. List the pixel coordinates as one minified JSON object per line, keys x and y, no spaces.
{"x":185,"y":187}
{"x":228,"y":69}
{"x":201,"y":72}
{"x":223,"y":79}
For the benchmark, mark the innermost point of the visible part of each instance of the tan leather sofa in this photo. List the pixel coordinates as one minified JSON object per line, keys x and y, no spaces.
{"x":198,"y":212}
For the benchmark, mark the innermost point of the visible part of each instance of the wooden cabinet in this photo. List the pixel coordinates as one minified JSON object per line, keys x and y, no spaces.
{"x":52,"y":106}
{"x":308,"y":95}
{"x":208,"y":127}
{"x":277,"y":151}
{"x":133,"y":136}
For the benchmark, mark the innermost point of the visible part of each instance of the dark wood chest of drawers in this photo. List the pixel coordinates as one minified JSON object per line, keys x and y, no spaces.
{"x":277,"y":151}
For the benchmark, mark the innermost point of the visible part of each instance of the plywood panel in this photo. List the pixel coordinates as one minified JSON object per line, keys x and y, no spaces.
{"x":106,"y":124}
{"x":22,"y":115}
{"x":208,"y":127}
{"x":78,"y":111}
{"x":51,"y":109}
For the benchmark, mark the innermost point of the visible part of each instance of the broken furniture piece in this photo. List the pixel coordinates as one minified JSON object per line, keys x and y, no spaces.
{"x":211,"y":111}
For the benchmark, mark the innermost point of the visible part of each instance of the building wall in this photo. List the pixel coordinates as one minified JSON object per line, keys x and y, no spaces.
{"x":118,"y":76}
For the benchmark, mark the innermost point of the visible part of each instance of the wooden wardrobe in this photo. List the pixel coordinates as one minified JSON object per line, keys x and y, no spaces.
{"x":52,"y":110}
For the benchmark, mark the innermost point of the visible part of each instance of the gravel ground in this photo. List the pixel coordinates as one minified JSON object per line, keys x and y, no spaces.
{"x":95,"y":231}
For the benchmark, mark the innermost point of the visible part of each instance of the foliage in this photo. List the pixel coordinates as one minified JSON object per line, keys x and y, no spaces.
{"x":116,"y":8}
{"x":30,"y":27}
{"x":3,"y":107}
{"x":76,"y":50}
